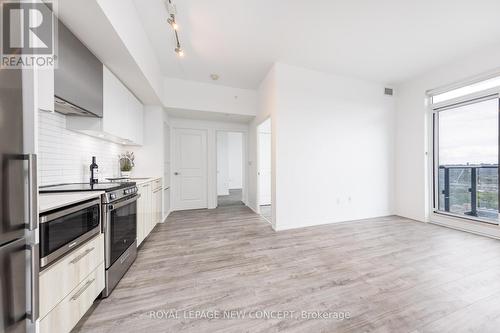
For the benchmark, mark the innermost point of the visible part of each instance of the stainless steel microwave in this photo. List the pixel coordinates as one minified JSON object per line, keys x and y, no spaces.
{"x":63,"y":230}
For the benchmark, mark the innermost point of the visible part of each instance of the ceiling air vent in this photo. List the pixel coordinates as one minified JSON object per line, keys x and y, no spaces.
{"x":388,"y":91}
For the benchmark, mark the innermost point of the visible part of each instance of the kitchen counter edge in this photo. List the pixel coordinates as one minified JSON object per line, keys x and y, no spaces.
{"x":51,"y":201}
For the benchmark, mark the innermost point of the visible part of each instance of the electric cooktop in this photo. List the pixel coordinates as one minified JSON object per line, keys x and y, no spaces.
{"x":78,"y":187}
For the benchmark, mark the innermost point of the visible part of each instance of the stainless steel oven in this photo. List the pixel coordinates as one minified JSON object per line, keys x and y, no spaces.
{"x":65,"y":229}
{"x":119,"y":211}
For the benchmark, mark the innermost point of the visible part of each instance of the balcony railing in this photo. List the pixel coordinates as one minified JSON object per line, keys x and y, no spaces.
{"x":470,"y":190}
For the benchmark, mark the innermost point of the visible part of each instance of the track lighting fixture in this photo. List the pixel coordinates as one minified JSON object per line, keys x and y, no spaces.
{"x":179,"y":52}
{"x":172,"y":11}
{"x":172,"y":22}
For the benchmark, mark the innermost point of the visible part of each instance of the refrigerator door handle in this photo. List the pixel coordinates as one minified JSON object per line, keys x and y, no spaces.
{"x":32,"y":191}
{"x":34,"y":292}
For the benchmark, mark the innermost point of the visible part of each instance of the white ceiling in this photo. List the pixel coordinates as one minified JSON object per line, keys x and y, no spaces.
{"x":385,"y":41}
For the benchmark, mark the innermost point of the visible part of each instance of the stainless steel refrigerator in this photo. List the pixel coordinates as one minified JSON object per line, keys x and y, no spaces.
{"x":18,"y":212}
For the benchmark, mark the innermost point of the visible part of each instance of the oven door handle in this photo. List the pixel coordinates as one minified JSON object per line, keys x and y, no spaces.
{"x":112,"y":207}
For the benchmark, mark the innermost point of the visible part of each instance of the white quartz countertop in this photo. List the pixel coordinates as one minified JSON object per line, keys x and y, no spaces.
{"x":50,"y":201}
{"x":141,"y":180}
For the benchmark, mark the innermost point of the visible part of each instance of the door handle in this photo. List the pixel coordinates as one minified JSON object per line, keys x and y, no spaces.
{"x":34,"y":292}
{"x":81,"y":291}
{"x":33,"y":191}
{"x":177,"y":173}
{"x":81,"y":256}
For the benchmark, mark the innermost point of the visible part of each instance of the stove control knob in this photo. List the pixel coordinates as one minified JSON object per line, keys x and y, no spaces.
{"x":112,"y":196}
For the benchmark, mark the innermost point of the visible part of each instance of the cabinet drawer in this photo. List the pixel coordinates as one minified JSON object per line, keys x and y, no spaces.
{"x":58,"y":280}
{"x":67,"y":313}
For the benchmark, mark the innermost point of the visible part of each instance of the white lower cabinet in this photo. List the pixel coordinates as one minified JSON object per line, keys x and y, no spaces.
{"x":73,"y":307}
{"x":157,"y":197}
{"x":69,"y":287}
{"x":142,"y":208}
{"x":149,"y":208}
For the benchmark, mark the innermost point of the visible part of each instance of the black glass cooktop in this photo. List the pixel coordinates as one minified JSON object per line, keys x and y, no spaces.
{"x":78,"y":187}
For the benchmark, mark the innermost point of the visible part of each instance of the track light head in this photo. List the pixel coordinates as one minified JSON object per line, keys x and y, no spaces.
{"x":179,"y":51}
{"x":172,"y":23}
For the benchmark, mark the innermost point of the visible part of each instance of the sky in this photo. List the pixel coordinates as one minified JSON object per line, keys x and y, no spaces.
{"x":469,"y":134}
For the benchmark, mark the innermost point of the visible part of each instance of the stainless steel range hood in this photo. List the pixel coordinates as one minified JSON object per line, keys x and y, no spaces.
{"x":69,"y":109}
{"x":78,"y":86}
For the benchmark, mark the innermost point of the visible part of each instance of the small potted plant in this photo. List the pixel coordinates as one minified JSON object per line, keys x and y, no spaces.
{"x":126,"y":164}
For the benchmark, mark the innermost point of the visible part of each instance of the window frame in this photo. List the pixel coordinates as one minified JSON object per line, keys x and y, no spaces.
{"x":434,"y":109}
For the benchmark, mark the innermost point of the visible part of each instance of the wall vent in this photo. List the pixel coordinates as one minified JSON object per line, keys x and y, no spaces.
{"x":388,"y":91}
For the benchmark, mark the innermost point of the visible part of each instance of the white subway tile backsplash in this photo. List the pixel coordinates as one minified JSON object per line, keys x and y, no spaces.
{"x":65,"y":156}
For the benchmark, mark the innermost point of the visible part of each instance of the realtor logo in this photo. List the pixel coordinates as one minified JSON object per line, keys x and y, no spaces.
{"x":28,"y":34}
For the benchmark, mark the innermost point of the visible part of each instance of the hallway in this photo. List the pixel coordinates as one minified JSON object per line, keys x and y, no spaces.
{"x":233,"y":199}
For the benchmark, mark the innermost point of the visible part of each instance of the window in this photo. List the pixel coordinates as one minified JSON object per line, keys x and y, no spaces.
{"x":466,"y":159}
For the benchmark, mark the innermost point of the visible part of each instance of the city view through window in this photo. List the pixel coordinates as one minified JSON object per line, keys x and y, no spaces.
{"x":468,"y":160}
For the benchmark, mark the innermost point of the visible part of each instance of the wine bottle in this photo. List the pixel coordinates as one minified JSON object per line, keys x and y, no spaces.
{"x":94,"y":172}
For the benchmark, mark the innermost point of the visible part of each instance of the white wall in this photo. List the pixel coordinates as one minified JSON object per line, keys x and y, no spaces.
{"x":265,"y":165}
{"x":412,"y":144}
{"x":65,"y":156}
{"x":127,"y":24}
{"x":334,"y":149}
{"x":149,"y":158}
{"x":222,"y":164}
{"x":266,"y":108}
{"x":235,"y":160}
{"x":229,"y":162}
{"x":190,"y":95}
{"x":212,"y":127}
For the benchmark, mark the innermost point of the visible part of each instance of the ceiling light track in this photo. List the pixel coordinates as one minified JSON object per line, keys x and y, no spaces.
{"x":172,"y":11}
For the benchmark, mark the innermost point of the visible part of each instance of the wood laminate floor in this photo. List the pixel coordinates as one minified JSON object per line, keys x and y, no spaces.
{"x":390,"y":274}
{"x":233,"y":199}
{"x":266,"y":212}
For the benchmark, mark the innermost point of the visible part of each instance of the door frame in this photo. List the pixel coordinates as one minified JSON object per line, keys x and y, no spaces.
{"x":167,"y":176}
{"x":244,"y":142}
{"x":258,"y":169}
{"x":173,"y":162}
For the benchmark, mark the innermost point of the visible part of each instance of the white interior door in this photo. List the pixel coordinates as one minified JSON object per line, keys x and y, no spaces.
{"x":264,"y":168}
{"x":190,"y":169}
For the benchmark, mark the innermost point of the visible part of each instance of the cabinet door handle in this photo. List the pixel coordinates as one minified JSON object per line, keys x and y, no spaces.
{"x":80,"y":292}
{"x":81,"y":256}
{"x":35,"y":288}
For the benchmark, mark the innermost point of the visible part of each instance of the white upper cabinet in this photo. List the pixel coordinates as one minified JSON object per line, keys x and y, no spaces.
{"x":122,"y":119}
{"x":122,"y":111}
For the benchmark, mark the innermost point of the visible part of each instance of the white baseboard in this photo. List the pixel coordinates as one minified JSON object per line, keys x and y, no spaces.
{"x":307,"y":224}
{"x":165,"y":216}
{"x":253,"y":208}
